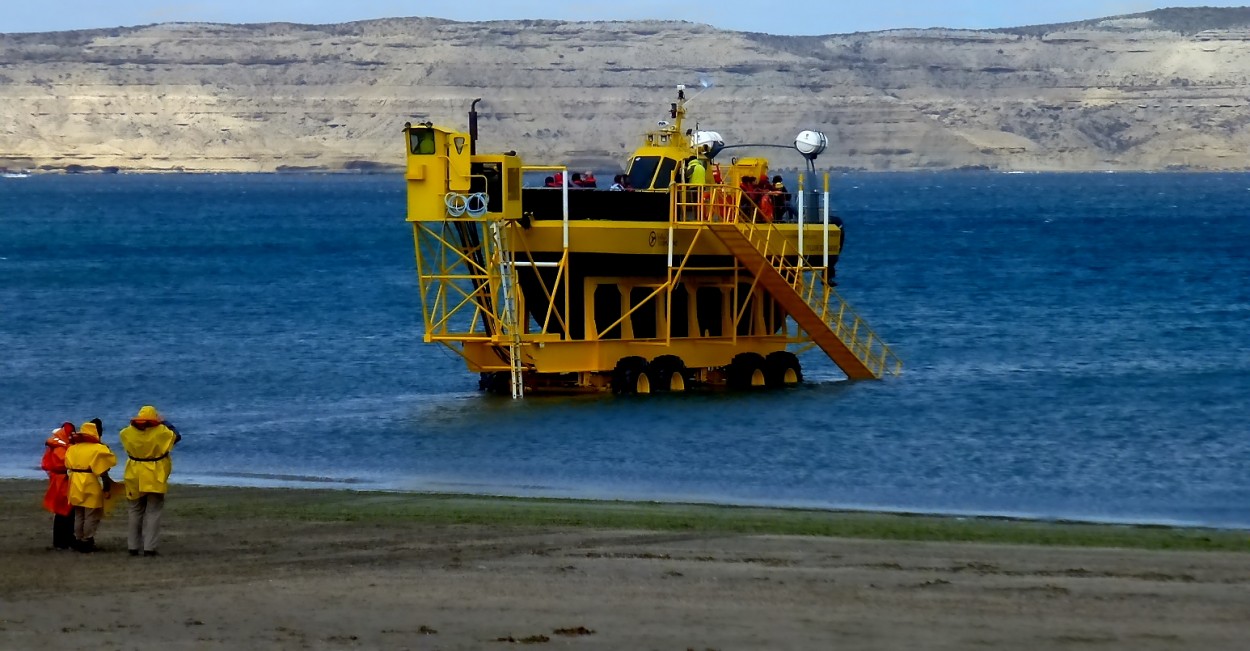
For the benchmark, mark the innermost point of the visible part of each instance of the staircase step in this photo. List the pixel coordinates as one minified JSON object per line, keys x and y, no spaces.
{"x":783,"y":291}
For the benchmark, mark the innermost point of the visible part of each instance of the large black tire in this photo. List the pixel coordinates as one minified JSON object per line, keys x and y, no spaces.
{"x":782,"y":369}
{"x":630,"y":377}
{"x":746,"y":371}
{"x":668,"y":373}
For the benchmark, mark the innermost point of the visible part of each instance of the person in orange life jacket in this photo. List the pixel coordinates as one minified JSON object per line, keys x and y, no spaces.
{"x":56,"y":499}
{"x":588,"y":180}
{"x":88,"y":462}
{"x":148,"y":442}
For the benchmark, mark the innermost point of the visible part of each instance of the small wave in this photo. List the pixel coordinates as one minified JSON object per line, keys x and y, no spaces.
{"x":280,"y":477}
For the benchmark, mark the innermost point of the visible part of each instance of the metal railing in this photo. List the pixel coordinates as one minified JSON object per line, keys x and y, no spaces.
{"x":716,"y":203}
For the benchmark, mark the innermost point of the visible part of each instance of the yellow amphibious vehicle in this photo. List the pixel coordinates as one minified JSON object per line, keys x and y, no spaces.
{"x":682,"y":281}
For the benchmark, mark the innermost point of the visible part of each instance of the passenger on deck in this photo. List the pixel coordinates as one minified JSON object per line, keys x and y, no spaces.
{"x":781,"y":201}
{"x":765,"y":193}
{"x":588,"y":180}
{"x":576,"y":180}
{"x":558,"y":179}
{"x":748,"y":201}
{"x":550,"y":182}
{"x":618,"y":183}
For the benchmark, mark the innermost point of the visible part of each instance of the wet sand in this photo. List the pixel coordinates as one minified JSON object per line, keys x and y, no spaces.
{"x":233,"y":575}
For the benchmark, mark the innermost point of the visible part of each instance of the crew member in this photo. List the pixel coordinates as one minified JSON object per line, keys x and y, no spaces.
{"x":88,"y":462}
{"x":56,"y":499}
{"x":696,"y":173}
{"x":148,"y":442}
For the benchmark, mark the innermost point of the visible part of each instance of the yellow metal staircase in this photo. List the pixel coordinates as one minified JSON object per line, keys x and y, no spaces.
{"x":803,"y":292}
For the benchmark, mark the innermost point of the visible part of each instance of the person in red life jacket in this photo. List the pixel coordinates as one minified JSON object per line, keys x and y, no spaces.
{"x":588,"y":180}
{"x":765,"y":193}
{"x":557,"y":181}
{"x":748,"y":202}
{"x":56,"y":499}
{"x":88,"y":462}
{"x":148,"y":442}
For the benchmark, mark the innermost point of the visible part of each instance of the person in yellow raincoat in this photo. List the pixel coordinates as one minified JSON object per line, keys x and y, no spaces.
{"x":148,"y":442}
{"x":88,"y":462}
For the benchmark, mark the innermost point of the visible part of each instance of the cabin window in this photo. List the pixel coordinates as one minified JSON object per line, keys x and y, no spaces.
{"x":421,"y":141}
{"x":665,"y":176}
{"x":514,"y":182}
{"x":642,"y":171}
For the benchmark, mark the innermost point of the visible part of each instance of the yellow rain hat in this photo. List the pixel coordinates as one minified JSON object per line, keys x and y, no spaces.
{"x":88,"y":428}
{"x":148,"y":413}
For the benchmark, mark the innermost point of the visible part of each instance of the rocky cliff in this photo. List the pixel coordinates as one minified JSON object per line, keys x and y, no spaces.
{"x":1165,"y":89}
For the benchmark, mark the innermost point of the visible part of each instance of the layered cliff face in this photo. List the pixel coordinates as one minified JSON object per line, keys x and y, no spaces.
{"x":1151,"y":91}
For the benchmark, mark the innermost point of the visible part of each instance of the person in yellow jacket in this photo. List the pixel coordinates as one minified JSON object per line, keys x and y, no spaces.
{"x":148,"y":442}
{"x":88,"y":462}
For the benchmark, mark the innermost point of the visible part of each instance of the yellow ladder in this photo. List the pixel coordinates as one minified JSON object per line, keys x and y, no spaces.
{"x":806,"y":296}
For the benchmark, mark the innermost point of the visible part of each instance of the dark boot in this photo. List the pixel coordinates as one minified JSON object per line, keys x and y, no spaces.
{"x":63,"y":532}
{"x":87,"y":546}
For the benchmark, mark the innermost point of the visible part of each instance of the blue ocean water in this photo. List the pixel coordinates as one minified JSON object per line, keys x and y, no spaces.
{"x":1077,"y":346}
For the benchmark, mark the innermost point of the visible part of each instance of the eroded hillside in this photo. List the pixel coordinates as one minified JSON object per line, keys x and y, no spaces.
{"x":1150,"y":91}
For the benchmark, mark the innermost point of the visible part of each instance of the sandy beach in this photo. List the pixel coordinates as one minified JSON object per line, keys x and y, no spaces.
{"x":267,"y":568}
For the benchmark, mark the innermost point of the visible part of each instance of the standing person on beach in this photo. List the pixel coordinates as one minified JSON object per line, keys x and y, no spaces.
{"x":56,"y":499}
{"x":148,"y":442}
{"x":88,"y":462}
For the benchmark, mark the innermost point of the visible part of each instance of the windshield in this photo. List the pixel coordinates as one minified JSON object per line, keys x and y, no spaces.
{"x":642,"y":171}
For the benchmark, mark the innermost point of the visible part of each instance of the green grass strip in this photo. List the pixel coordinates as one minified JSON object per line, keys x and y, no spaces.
{"x":447,"y":509}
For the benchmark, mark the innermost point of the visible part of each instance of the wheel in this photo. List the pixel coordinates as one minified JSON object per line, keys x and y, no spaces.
{"x":746,"y":371}
{"x":631,"y":377}
{"x":782,"y":369}
{"x":668,"y":373}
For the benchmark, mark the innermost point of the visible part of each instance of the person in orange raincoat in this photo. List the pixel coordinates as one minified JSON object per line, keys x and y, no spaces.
{"x":88,"y":462}
{"x":148,"y":442}
{"x":56,"y":499}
